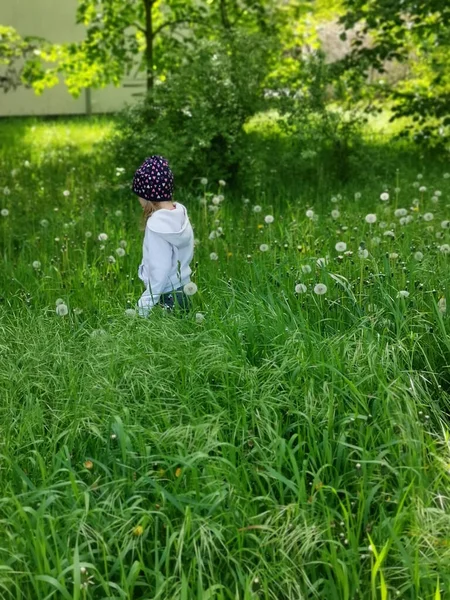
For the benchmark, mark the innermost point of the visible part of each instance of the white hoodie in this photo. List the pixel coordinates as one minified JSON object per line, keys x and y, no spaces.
{"x":168,"y":249}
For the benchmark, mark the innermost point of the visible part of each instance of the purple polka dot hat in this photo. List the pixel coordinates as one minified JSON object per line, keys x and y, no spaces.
{"x":154,"y":180}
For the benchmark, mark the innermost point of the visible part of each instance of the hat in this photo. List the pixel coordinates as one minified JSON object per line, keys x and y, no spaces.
{"x":154,"y":180}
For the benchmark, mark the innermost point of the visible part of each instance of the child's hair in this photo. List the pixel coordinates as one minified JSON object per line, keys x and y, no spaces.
{"x":147,"y":212}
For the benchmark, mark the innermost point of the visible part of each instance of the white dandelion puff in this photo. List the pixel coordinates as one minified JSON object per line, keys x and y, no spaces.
{"x":445,"y":224}
{"x":401,"y":212}
{"x":384,"y":196}
{"x":445,"y":249}
{"x":335,"y":214}
{"x":403,"y":294}
{"x":310,"y":214}
{"x":422,"y":189}
{"x":222,"y":183}
{"x":269,"y":219}
{"x":120,"y":252}
{"x":320,"y":289}
{"x":102,"y":237}
{"x":111,"y":259}
{"x":66,"y":193}
{"x":212,"y":235}
{"x":4,"y":212}
{"x":341,"y":246}
{"x":257,"y":208}
{"x":264,"y":247}
{"x":88,"y":234}
{"x":36,"y":264}
{"x":130,"y":312}
{"x":44,"y":223}
{"x":215,"y":200}
{"x":389,"y":233}
{"x":59,"y":301}
{"x":371,"y":218}
{"x":62,"y":310}
{"x":204,"y":181}
{"x":6,"y":191}
{"x":213,"y":256}
{"x":418,"y":256}
{"x":363,"y":253}
{"x":306,"y":269}
{"x":301,"y":288}
{"x":118,"y":213}
{"x":199,"y":317}
{"x":428,"y":216}
{"x":190,"y":288}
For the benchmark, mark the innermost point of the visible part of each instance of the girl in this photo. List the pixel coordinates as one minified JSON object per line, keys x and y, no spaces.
{"x":168,"y":246}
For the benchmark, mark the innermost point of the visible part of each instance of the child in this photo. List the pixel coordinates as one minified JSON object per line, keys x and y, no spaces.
{"x":168,"y":246}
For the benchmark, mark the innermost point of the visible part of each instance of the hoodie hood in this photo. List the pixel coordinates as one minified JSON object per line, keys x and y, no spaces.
{"x":172,"y":225}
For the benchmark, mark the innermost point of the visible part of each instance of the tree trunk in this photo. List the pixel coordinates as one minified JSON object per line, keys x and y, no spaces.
{"x":224,"y":14}
{"x":148,"y":4}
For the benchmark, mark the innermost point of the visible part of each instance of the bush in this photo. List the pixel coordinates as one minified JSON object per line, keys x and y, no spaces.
{"x":195,"y":118}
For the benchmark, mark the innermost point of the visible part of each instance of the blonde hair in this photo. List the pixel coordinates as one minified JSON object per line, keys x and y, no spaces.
{"x":147,"y":212}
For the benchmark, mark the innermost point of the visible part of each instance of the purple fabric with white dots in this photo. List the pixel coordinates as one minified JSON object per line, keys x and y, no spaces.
{"x":154,"y":180}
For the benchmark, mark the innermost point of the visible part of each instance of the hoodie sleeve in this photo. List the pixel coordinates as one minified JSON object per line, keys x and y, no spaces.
{"x":155,"y":271}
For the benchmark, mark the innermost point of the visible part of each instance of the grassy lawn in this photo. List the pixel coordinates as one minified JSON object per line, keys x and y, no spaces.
{"x":289,"y":439}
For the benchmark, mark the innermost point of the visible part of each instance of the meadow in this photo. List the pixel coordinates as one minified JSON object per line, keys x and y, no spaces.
{"x":289,"y":439}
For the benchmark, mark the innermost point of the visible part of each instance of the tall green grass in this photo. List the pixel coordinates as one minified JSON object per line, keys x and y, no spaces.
{"x":281,"y":445}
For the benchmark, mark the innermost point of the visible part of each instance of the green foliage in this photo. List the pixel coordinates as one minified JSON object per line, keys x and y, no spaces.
{"x":413,"y":32}
{"x":14,"y":50}
{"x":196,"y":116}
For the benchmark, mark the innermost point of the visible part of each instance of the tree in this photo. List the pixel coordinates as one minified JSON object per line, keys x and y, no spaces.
{"x":414,"y":31}
{"x":124,"y":37}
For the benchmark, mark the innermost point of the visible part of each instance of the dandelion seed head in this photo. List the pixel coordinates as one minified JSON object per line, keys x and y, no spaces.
{"x":401,"y":212}
{"x":384,"y":196}
{"x":418,"y":256}
{"x":428,"y":216}
{"x":62,"y":310}
{"x":403,"y":294}
{"x":341,"y":246}
{"x":199,"y":317}
{"x":310,"y":214}
{"x":213,"y":256}
{"x":445,"y":249}
{"x":111,"y":259}
{"x":320,"y":289}
{"x":301,"y":288}
{"x":335,"y":214}
{"x":4,"y":212}
{"x":269,"y":219}
{"x":120,"y":251}
{"x":204,"y":181}
{"x":36,"y":264}
{"x":102,"y":237}
{"x":371,"y":218}
{"x":257,"y":208}
{"x":130,"y":312}
{"x":190,"y":288}
{"x":306,"y":269}
{"x":264,"y":247}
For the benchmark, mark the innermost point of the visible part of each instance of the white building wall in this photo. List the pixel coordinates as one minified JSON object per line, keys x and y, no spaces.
{"x":54,"y":20}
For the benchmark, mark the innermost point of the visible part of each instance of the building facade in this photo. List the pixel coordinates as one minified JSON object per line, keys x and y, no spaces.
{"x":54,"y":20}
